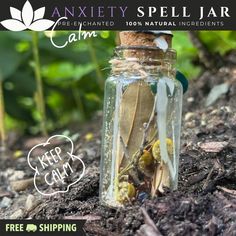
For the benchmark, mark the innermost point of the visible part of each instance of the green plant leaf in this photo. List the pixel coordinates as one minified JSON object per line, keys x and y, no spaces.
{"x":65,"y":72}
{"x":9,"y":57}
{"x":23,"y":83}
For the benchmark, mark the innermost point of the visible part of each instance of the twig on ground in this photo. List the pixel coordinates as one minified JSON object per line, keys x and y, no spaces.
{"x":217,"y":166}
{"x":230,"y":191}
{"x":149,"y":228}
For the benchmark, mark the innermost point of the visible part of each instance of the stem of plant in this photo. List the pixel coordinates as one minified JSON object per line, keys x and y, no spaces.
{"x":78,"y":101}
{"x":40,"y":96}
{"x":96,"y":63}
{"x":2,"y":113}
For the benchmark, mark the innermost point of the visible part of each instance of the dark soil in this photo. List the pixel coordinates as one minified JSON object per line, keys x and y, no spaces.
{"x":205,"y":202}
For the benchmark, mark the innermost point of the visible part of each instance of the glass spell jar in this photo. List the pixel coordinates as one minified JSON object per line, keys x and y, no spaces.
{"x":141,"y":127}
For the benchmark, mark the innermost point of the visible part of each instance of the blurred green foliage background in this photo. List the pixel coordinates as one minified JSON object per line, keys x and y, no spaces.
{"x":73,"y":77}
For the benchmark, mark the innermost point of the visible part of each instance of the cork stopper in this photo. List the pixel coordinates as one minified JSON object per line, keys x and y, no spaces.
{"x":160,"y":39}
{"x":150,"y":39}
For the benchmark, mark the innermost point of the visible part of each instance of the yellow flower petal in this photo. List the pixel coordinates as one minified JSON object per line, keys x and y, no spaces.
{"x":156,"y":152}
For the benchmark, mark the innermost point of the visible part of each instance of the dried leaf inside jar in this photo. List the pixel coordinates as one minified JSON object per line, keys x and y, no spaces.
{"x":135,"y":109}
{"x":161,"y":178}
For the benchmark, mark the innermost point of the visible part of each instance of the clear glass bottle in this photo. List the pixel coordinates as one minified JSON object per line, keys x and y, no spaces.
{"x":141,"y":127}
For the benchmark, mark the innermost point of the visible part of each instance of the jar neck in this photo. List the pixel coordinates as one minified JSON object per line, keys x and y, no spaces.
{"x":143,"y":61}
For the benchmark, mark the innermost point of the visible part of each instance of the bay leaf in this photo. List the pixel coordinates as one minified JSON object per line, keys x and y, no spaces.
{"x":135,"y":110}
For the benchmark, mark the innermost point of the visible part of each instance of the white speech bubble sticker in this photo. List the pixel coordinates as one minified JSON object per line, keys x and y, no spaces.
{"x":70,"y":156}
